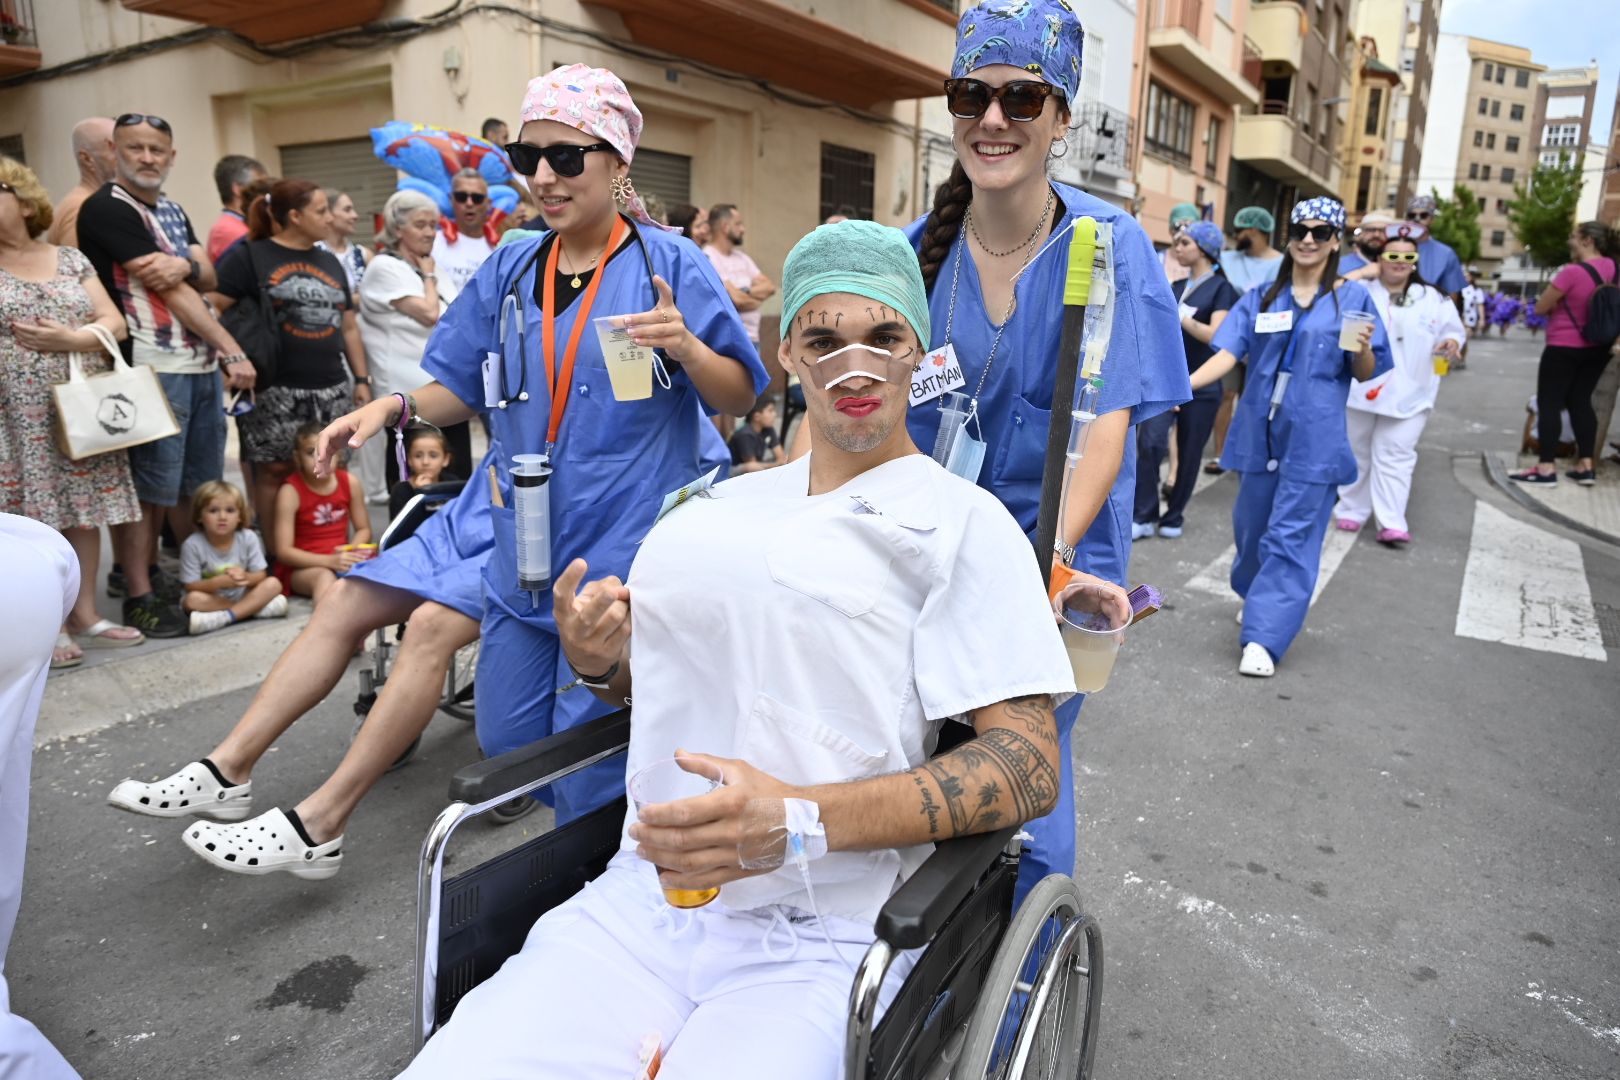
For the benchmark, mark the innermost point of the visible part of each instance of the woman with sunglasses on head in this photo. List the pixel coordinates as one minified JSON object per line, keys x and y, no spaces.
{"x":1287,"y":441}
{"x":318,"y":335}
{"x":518,"y":342}
{"x":1017,"y":78}
{"x":1387,"y":415}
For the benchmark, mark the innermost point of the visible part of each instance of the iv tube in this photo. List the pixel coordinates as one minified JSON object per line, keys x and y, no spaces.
{"x":531,"y":503}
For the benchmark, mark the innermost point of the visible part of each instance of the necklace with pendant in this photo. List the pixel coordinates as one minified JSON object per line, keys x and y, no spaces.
{"x":575,"y":282}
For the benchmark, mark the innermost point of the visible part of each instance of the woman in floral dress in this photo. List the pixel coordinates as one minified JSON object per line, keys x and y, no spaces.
{"x":46,"y":294}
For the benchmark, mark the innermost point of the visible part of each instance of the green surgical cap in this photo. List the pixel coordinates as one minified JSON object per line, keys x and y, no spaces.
{"x":1254,"y":217}
{"x":1181,"y":213}
{"x":858,"y":257}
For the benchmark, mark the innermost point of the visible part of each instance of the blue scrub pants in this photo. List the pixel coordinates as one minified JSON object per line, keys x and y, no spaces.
{"x":1194,"y":423}
{"x":520,"y":667}
{"x":1279,"y":525}
{"x":1052,"y":851}
{"x":1152,"y":446}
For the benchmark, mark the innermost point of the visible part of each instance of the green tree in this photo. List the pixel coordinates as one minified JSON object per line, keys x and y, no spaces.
{"x":1542,"y":212}
{"x":1456,"y":222}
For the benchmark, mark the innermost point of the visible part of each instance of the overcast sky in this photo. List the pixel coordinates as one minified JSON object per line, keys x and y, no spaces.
{"x":1558,"y":33}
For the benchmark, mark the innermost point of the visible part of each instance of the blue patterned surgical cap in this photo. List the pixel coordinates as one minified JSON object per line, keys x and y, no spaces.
{"x":1044,"y":37}
{"x":1321,"y":208}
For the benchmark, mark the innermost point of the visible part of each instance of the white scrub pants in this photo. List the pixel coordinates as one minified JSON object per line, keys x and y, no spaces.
{"x":730,"y":993}
{"x":1386,"y":454}
{"x":37,"y":587}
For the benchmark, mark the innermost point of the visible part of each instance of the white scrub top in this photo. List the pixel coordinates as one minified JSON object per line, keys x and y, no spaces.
{"x":826,"y":638}
{"x":1415,"y":329}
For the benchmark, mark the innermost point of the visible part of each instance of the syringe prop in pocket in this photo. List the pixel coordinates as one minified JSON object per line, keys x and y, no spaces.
{"x":531,"y":506}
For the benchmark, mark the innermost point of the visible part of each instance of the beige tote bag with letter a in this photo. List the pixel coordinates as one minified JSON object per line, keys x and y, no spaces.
{"x":101,"y":413}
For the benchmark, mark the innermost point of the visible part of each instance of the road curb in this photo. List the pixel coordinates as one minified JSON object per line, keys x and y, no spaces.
{"x":79,"y":702}
{"x":1497,"y":474}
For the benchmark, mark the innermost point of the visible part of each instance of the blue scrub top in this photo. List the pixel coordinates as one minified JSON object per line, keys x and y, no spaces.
{"x":1308,"y":435}
{"x":1144,"y":371}
{"x":1245,"y":271}
{"x":614,"y":460}
{"x":1350,"y":260}
{"x":1440,"y":267}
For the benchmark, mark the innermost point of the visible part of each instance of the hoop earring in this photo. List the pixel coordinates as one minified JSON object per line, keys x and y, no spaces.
{"x":1056,"y":143}
{"x":623,"y":190}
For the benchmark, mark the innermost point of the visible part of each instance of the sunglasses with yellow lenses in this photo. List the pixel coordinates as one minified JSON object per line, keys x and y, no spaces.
{"x":1399,"y":256}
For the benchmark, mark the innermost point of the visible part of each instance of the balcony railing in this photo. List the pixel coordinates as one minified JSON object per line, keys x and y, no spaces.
{"x":1102,"y":136}
{"x":1173,"y":14}
{"x":17,"y":24}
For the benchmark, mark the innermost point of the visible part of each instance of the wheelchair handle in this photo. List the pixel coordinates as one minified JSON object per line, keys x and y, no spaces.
{"x":484,"y":780}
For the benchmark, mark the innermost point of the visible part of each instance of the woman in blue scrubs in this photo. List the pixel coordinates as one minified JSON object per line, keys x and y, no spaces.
{"x":1017,"y":76}
{"x":547,"y":391}
{"x":1287,"y":441}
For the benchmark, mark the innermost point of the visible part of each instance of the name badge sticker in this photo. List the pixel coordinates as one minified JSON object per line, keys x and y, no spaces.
{"x":492,"y":380}
{"x":698,"y":488}
{"x":940,"y":372}
{"x":1188,"y":311}
{"x":1273,"y":322}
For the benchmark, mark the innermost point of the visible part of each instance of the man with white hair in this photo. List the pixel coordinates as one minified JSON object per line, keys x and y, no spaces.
{"x":93,"y":151}
{"x":465,"y":238}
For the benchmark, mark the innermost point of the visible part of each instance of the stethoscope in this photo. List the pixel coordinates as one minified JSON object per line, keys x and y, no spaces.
{"x":1285,"y":369}
{"x":513,"y":303}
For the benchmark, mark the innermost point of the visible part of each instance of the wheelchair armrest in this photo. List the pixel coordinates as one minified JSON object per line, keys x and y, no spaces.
{"x":444,"y":489}
{"x":917,"y":910}
{"x":495,"y":776}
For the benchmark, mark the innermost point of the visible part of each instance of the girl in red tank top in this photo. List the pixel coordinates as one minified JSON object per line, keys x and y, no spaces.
{"x":321,"y":527}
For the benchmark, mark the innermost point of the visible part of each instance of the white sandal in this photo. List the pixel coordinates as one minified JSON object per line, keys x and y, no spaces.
{"x":195,"y":789}
{"x":95,"y":636}
{"x":264,"y":845}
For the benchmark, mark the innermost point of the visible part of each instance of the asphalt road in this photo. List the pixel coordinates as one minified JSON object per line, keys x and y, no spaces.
{"x":1397,"y":859}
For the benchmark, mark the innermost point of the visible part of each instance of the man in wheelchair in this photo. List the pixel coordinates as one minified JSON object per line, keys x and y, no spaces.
{"x":802,"y":633}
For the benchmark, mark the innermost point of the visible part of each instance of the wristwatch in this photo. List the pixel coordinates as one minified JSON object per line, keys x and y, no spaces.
{"x":595,"y":682}
{"x":196,"y":270}
{"x":362,"y":380}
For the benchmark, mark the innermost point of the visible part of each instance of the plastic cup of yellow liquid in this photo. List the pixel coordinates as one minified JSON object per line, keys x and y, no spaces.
{"x":665,"y":781}
{"x":1094,"y":622}
{"x":1350,"y":329}
{"x":629,"y":366}
{"x":1442,"y":364}
{"x":365,"y":552}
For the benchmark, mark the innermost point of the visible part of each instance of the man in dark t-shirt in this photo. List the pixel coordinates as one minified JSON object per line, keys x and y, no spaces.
{"x":156,"y":286}
{"x":754,"y":444}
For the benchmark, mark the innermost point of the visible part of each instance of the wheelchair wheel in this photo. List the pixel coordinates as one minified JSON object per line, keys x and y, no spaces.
{"x":458,"y":685}
{"x":1037,"y":1015}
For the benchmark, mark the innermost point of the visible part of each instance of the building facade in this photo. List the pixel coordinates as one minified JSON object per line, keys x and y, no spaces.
{"x":1563,"y":114}
{"x":1102,"y":131}
{"x":1189,"y":61}
{"x":1286,"y":147}
{"x":737,"y":108}
{"x":1369,"y":137}
{"x":1608,"y":208}
{"x":1411,"y":113}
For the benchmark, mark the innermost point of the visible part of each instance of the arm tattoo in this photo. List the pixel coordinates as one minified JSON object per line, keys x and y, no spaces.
{"x":979,"y":779}
{"x":929,"y":806}
{"x":1035,"y":713}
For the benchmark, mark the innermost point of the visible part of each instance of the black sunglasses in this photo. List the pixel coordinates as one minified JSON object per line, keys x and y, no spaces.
{"x":969,"y":99}
{"x":475,"y":197}
{"x":565,"y":159}
{"x":1419,"y":215}
{"x":131,"y":119}
{"x":1320,"y":233}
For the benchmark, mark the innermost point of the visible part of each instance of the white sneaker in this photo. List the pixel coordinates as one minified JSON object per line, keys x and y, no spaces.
{"x":1239,"y":616}
{"x":1256,"y":661}
{"x":275,"y":609}
{"x":1141,"y":531}
{"x":264,"y":845}
{"x":203,"y":622}
{"x":1170,"y":532}
{"x":195,"y":789}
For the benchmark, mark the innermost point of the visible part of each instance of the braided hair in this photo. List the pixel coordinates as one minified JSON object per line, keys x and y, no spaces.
{"x":951,"y":202}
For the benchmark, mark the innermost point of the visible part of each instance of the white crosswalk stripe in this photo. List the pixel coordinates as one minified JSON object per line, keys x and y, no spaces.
{"x":1215,"y":578}
{"x":1524,"y":586}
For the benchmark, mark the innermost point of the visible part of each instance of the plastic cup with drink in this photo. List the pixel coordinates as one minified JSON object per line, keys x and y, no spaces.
{"x":1094,"y":622}
{"x":629,"y":366}
{"x":666,"y":781}
{"x":360,"y":552}
{"x":1350,"y":329}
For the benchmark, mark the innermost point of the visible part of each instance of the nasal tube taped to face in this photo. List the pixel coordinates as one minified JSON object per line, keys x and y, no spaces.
{"x":531,"y":504}
{"x":864,"y":362}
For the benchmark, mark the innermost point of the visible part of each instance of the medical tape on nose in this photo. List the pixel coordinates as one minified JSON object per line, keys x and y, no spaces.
{"x":847,"y":363}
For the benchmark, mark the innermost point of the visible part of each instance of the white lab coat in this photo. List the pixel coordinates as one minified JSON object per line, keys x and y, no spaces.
{"x":1415,"y":329}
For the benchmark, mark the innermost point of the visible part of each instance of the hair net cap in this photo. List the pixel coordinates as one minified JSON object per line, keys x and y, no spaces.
{"x":1375,"y":219}
{"x":858,"y":257}
{"x":1044,"y":37}
{"x":1420,"y":202}
{"x":1207,"y":235}
{"x":1255,"y":217}
{"x":1320,"y":208}
{"x":1181,"y":213}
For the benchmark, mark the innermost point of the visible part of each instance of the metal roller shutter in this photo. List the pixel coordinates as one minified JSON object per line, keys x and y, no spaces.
{"x":346,"y":164}
{"x":669,"y":176}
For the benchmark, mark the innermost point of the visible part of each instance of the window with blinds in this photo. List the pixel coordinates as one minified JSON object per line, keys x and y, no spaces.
{"x":345,"y":164}
{"x":668,"y":176}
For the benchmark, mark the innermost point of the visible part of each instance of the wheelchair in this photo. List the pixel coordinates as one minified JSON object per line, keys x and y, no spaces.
{"x":995,"y":994}
{"x":457,"y":700}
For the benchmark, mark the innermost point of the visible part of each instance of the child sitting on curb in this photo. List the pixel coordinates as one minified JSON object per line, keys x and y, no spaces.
{"x":314,"y":516}
{"x":222,"y":564}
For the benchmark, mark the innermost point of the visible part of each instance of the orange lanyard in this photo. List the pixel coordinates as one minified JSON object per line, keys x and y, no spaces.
{"x":561,"y":382}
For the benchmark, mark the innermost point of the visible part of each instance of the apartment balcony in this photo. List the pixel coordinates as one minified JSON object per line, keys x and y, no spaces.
{"x":19,"y":48}
{"x":796,"y":50}
{"x":1273,"y":142}
{"x":1278,"y":29}
{"x":267,"y":21}
{"x":1175,"y":40}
